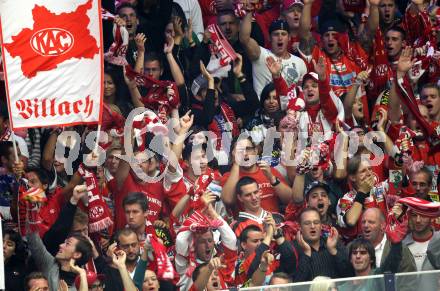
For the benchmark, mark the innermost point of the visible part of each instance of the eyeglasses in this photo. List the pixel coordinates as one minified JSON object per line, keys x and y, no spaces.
{"x":362,"y":252}
{"x":309,"y":223}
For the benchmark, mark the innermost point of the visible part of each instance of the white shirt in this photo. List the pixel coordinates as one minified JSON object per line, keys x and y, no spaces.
{"x":379,"y":250}
{"x":418,"y":250}
{"x":293,"y":70}
{"x":192,"y":11}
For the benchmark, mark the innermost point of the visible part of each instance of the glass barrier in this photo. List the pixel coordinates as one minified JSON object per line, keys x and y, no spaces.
{"x":415,"y":281}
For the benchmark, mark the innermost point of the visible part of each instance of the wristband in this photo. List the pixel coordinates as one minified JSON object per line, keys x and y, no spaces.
{"x":240,"y":79}
{"x":360,"y":197}
{"x":276,"y":183}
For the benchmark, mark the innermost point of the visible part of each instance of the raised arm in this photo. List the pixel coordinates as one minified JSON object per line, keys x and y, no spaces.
{"x":350,"y":97}
{"x":176,"y":72}
{"x":250,"y":45}
{"x":134,"y":91}
{"x":306,"y":38}
{"x":354,"y":213}
{"x":140,"y":45}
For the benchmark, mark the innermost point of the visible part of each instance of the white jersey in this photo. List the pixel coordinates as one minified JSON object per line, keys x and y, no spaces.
{"x":293,"y":70}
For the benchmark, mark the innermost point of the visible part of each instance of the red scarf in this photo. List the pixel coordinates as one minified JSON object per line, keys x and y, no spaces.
{"x":156,"y":98}
{"x":99,"y":213}
{"x":229,"y":119}
{"x":381,"y":72}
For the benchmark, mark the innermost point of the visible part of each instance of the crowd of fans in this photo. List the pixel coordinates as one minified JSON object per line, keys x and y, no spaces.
{"x":349,"y":88}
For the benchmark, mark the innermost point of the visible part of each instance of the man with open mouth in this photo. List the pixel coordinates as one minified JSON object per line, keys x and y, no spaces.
{"x":293,"y":67}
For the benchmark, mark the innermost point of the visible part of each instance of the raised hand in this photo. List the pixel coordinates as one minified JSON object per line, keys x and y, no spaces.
{"x":383,"y":118}
{"x":320,"y":68}
{"x":74,"y":268}
{"x":168,"y":45}
{"x":118,"y":258}
{"x":332,"y":241}
{"x":140,"y":39}
{"x":119,"y":21}
{"x":216,"y":263}
{"x":405,"y":62}
{"x":177,"y":24}
{"x":266,"y":168}
{"x":267,"y":259}
{"x":303,"y":244}
{"x":397,"y":210}
{"x":18,"y":168}
{"x":367,"y":184}
{"x":79,"y":192}
{"x":274,"y":66}
{"x":189,"y":30}
{"x":238,"y":65}
{"x":208,"y":198}
{"x":186,"y":121}
{"x":205,"y":72}
{"x":362,"y":77}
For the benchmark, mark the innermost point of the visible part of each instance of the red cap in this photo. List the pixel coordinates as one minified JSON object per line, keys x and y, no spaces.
{"x":91,"y":278}
{"x":289,"y":3}
{"x":311,"y":75}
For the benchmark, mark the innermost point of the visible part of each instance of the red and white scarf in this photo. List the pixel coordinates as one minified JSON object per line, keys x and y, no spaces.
{"x":99,"y":213}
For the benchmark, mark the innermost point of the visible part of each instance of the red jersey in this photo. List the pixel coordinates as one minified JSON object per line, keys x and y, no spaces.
{"x":153,"y":192}
{"x":269,"y":200}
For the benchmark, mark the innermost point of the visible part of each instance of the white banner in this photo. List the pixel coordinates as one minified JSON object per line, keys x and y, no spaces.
{"x":53,"y":61}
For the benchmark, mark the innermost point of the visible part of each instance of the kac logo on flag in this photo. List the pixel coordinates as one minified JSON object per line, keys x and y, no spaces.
{"x":53,"y":61}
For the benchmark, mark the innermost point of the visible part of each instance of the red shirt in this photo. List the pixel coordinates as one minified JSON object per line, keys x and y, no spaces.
{"x":269,"y":200}
{"x":153,"y":191}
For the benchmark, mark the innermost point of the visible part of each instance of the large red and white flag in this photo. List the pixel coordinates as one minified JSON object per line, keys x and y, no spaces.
{"x":53,"y":61}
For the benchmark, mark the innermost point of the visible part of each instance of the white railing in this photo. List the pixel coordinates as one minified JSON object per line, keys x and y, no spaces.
{"x":415,"y":279}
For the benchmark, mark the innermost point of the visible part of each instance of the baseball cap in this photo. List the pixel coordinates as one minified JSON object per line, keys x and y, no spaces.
{"x":91,"y":278}
{"x":278,"y":24}
{"x":332,"y":25}
{"x":289,"y":3}
{"x":198,"y":84}
{"x":316,"y":184}
{"x":311,"y":75}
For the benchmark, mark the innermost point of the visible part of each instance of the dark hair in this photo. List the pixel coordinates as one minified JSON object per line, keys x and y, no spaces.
{"x":265,"y":93}
{"x":398,"y":29}
{"x":197,"y":271}
{"x":190,"y":147}
{"x":430,"y":86}
{"x":126,"y":5}
{"x":5,"y":147}
{"x":243,"y":181}
{"x":177,"y":11}
{"x":366,"y":244}
{"x":125,"y":232}
{"x":308,"y":209}
{"x":115,"y":75}
{"x":41,"y":174}
{"x":427,"y":172}
{"x":353,"y":164}
{"x":153,"y":56}
{"x":241,"y":137}
{"x":84,"y":247}
{"x":226,"y":12}
{"x":33,"y":276}
{"x":245,"y":233}
{"x":136,"y":198}
{"x":281,"y":275}
{"x":20,"y":254}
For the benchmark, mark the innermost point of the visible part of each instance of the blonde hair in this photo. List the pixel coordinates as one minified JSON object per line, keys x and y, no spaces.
{"x":321,"y":283}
